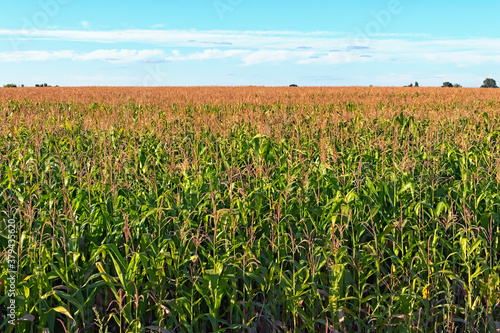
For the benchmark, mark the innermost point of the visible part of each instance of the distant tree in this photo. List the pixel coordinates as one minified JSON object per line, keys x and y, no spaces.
{"x":10,"y":85}
{"x":45,"y":84}
{"x":22,"y":85}
{"x":293,"y":85}
{"x":447,"y":85}
{"x":489,"y":83}
{"x":416,"y":84}
{"x":456,"y":85}
{"x":37,"y":85}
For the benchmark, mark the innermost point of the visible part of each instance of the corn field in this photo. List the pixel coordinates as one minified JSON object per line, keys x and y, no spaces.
{"x":251,"y":209}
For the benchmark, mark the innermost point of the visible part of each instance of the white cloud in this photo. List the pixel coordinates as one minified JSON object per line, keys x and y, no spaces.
{"x":262,"y":56}
{"x":334,"y":58}
{"x":192,"y":38}
{"x":206,"y":55}
{"x":21,"y":56}
{"x":255,"y":47}
{"x":85,"y":24}
{"x":122,"y":55}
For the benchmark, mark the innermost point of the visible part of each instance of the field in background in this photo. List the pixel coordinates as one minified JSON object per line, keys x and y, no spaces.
{"x":210,"y":209}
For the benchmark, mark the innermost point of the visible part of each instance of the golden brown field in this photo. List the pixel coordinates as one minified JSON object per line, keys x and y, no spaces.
{"x":251,"y":95}
{"x":432,"y":103}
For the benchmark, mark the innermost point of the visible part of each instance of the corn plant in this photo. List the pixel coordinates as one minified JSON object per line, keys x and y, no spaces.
{"x":251,"y":209}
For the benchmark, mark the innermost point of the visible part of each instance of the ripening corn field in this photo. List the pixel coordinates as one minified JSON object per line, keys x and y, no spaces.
{"x":251,"y":209}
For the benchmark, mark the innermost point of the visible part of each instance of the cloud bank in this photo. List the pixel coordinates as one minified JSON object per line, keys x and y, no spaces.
{"x":250,"y":48}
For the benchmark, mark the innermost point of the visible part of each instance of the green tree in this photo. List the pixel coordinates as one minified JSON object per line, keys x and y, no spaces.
{"x":447,"y":85}
{"x":489,"y":83}
{"x":416,"y":84}
{"x":456,"y":85}
{"x":10,"y":85}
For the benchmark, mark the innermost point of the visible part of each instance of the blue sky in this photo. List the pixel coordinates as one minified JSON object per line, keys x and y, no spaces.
{"x":249,"y":42}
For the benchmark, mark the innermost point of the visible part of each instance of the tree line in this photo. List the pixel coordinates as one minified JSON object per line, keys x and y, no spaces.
{"x":487,"y":83}
{"x":13,"y":85}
